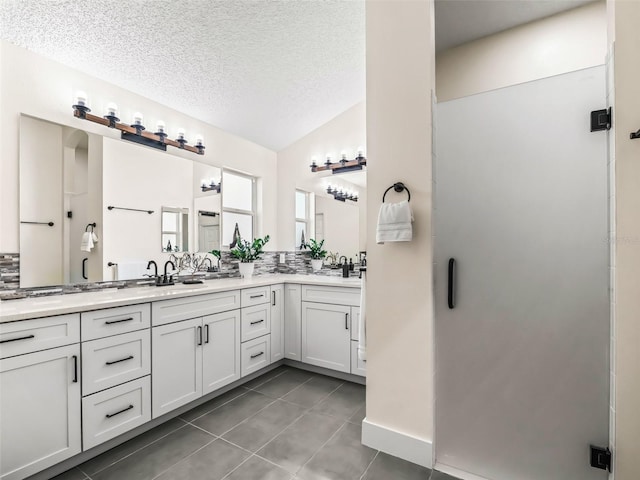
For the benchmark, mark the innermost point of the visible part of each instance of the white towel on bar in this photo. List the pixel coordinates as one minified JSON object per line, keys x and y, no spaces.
{"x":394,"y":223}
{"x":131,"y":270}
{"x":87,"y":242}
{"x":362,"y":322}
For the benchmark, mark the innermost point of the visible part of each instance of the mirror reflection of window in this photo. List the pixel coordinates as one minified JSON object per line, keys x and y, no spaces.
{"x":175,"y":229}
{"x":208,"y":231}
{"x":238,"y":206}
{"x":303,"y":233}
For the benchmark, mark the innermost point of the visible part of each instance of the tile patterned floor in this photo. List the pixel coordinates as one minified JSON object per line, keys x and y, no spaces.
{"x":287,"y":424}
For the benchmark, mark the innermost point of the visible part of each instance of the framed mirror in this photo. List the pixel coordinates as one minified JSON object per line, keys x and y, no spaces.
{"x":175,"y":229}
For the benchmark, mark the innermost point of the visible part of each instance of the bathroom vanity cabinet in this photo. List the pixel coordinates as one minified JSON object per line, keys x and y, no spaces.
{"x":71,"y":382}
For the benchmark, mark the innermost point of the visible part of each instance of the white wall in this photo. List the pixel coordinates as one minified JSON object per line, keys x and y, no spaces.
{"x":45,"y":89}
{"x":625,"y":19}
{"x":341,"y":226}
{"x":346,"y":132}
{"x":147,"y":179}
{"x":400,"y":78}
{"x":559,"y":44}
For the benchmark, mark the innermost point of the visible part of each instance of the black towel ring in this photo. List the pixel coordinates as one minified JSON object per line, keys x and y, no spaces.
{"x":92,"y":225}
{"x":398,"y":187}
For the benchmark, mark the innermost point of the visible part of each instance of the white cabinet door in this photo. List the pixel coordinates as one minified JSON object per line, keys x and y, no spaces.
{"x":221,"y":350}
{"x":292,"y":321}
{"x":176,"y":365}
{"x":40,"y":411}
{"x":326,"y":336}
{"x":277,"y":323}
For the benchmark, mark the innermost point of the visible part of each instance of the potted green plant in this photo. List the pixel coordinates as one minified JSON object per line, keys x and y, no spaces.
{"x":218,"y":255}
{"x":317,"y":253}
{"x":247,"y":252}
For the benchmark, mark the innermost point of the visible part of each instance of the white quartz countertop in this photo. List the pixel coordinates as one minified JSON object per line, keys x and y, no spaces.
{"x":12,"y":310}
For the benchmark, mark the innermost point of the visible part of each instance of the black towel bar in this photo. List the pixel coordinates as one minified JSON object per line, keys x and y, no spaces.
{"x":92,"y":225}
{"x":397,"y":187}
{"x":110,"y":207}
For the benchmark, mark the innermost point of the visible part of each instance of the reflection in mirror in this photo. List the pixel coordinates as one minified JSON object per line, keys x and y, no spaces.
{"x":175,"y":229}
{"x":208,"y":231}
{"x":206,"y":207}
{"x":338,"y":223}
{"x":68,"y":177}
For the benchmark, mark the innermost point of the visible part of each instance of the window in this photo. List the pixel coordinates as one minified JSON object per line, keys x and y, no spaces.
{"x":238,"y":206}
{"x":302,"y":218}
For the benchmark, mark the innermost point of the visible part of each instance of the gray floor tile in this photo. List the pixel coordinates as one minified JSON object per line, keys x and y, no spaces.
{"x":311,"y":392}
{"x":73,"y":474}
{"x":358,"y":417}
{"x":294,"y":446}
{"x":212,"y":462}
{"x":157,"y":457}
{"x":344,"y":402}
{"x":283,"y":384}
{"x":258,"y":469}
{"x":232,"y":413}
{"x":266,"y":377}
{"x":385,"y":467}
{"x":213,"y":404}
{"x":109,"y":457}
{"x":436,"y":475}
{"x":265,"y":425}
{"x":342,"y":458}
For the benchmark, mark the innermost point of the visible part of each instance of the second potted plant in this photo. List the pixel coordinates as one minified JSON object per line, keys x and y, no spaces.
{"x":317,"y":253}
{"x":247,"y":252}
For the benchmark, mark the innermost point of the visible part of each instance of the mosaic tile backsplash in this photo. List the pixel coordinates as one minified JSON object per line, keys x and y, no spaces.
{"x":295,"y":263}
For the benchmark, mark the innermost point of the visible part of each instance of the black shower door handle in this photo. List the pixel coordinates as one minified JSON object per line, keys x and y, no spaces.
{"x":451,"y":283}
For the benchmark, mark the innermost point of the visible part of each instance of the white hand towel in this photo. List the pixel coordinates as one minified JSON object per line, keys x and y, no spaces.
{"x":362,"y":324}
{"x":87,"y":242}
{"x":394,"y":223}
{"x":94,"y":237}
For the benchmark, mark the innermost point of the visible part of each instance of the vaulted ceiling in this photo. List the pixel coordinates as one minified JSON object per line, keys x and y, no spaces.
{"x":270,"y":71}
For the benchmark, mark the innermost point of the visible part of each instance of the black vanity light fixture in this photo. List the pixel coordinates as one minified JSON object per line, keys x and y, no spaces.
{"x":136,"y":132}
{"x":341,"y":166}
{"x":212,"y":186}
{"x":341,"y":194}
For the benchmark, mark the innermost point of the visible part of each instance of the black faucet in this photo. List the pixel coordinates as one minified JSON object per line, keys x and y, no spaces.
{"x":210,"y":269}
{"x":345,"y":267}
{"x":166,"y":279}
{"x":155,"y":268}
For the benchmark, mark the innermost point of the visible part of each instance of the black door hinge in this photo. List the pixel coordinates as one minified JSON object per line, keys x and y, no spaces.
{"x":601,"y":458}
{"x":601,"y":120}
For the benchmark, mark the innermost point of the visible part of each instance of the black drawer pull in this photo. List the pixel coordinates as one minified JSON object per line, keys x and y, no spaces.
{"x":109,"y":415}
{"x":199,"y":335}
{"x":130,"y":357}
{"x":257,"y":355}
{"x":451,"y":296}
{"x":111,"y":322}
{"x":257,"y":296}
{"x":18,"y":338}
{"x":206,"y":331}
{"x":257,"y":321}
{"x":346,"y":321}
{"x":75,"y":369}
{"x":273,"y":297}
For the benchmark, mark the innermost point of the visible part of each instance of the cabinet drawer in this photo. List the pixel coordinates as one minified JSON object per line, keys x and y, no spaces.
{"x":334,"y":295}
{"x":174,"y":310}
{"x":113,"y":360}
{"x":256,"y":354}
{"x":255,"y":296}
{"x":28,"y":336}
{"x":107,"y":414}
{"x":358,"y":367}
{"x":256,"y":322}
{"x":113,"y":321}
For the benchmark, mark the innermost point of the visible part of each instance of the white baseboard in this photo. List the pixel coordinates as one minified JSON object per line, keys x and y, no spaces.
{"x":398,"y":444}
{"x":461,"y":474}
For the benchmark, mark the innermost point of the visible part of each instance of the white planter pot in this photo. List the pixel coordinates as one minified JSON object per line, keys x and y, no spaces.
{"x":316,"y":265}
{"x":246,"y":269}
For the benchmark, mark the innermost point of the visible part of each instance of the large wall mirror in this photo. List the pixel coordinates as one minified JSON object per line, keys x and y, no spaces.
{"x":138,"y":198}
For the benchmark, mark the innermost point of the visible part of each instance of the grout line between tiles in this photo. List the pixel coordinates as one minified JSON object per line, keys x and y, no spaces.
{"x":237,"y":467}
{"x":183,"y":459}
{"x":369,"y":466}
{"x":321,"y":447}
{"x":215,"y":408}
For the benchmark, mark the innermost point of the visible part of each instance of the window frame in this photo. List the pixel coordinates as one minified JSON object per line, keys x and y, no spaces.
{"x":307,"y":212}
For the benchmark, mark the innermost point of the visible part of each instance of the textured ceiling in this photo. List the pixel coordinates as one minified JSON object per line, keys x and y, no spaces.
{"x":270,"y":71}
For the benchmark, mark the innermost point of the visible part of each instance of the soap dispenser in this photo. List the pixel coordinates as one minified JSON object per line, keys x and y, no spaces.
{"x":351,"y":265}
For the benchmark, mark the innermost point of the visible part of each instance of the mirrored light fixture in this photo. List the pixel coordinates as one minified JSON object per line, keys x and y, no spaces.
{"x":341,"y":194}
{"x":341,"y":166}
{"x":212,"y":186}
{"x":136,"y":132}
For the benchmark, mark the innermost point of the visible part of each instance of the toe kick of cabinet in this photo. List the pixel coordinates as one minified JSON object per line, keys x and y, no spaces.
{"x":256,"y":354}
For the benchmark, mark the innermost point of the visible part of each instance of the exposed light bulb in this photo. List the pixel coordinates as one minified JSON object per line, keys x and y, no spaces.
{"x":199,"y":141}
{"x":112,"y":109}
{"x":137,"y":118}
{"x":160,"y":126}
{"x":81,"y":98}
